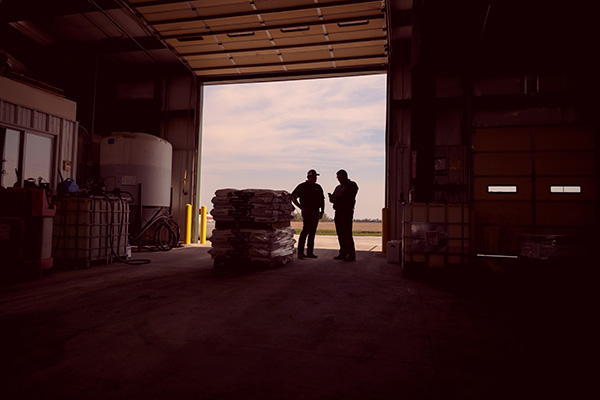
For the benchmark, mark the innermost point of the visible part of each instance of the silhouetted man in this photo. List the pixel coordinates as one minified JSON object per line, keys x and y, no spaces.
{"x":312,"y":204}
{"x":344,"y":199}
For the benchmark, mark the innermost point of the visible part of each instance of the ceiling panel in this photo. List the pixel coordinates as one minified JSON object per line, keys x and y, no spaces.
{"x":269,"y":5}
{"x":263,"y":37}
{"x":299,"y":32}
{"x":363,"y":62}
{"x":308,"y":66}
{"x":195,"y":47}
{"x":290,"y":17}
{"x":358,"y":51}
{"x":360,"y":25}
{"x":218,"y":72}
{"x":261,"y":70}
{"x":233,"y":23}
{"x":243,"y":39}
{"x":256,"y":59}
{"x":169,"y":13}
{"x":309,"y":55}
{"x":216,"y":61}
{"x":356,"y":35}
{"x":300,"y":40}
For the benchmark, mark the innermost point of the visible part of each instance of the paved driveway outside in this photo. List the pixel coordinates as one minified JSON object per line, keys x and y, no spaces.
{"x":362,"y":243}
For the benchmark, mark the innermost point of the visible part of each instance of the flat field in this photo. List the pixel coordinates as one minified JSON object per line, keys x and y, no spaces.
{"x":358,"y":228}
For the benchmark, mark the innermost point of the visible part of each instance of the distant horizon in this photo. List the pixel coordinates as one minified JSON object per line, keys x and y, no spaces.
{"x":268,"y":135}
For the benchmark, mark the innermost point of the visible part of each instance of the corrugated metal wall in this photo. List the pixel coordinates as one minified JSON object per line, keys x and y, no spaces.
{"x":23,"y":118}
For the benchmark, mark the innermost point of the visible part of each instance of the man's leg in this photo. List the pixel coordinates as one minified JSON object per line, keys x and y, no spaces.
{"x":349,"y":239}
{"x":302,"y":238}
{"x":339,"y":225}
{"x":346,"y":235}
{"x":312,"y":230}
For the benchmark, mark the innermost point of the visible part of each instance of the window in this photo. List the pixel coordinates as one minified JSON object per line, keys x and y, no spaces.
{"x":25,"y":156}
{"x":502,"y":188}
{"x":565,"y":189}
{"x":10,"y":143}
{"x":38,"y":158}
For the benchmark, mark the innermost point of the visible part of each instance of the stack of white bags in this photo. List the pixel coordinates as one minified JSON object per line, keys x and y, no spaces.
{"x":252,"y":225}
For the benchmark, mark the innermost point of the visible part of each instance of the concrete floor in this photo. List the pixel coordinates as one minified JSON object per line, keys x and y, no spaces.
{"x":361,"y":243}
{"x":312,"y":329}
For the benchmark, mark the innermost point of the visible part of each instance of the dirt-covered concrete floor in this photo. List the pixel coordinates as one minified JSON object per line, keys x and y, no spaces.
{"x":311,"y":329}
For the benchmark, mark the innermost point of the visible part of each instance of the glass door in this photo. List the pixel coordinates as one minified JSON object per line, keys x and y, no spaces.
{"x":10,"y":146}
{"x":38,"y":158}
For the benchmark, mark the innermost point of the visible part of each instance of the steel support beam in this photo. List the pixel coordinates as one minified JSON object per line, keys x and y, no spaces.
{"x":297,"y":74}
{"x":284,"y":63}
{"x":422,"y":133}
{"x":31,"y":10}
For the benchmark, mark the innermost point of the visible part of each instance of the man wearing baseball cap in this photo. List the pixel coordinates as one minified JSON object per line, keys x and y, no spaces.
{"x":308,"y":197}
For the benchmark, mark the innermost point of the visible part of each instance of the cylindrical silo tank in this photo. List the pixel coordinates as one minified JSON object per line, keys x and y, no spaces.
{"x":128,"y":159}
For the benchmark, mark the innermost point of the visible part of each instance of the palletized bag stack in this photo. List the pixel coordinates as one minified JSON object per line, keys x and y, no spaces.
{"x":253,"y":226}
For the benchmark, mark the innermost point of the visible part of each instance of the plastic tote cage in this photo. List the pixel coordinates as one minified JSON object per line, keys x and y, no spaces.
{"x":435,"y":235}
{"x":90,"y":229}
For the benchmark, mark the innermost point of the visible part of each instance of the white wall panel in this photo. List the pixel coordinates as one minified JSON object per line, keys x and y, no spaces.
{"x":26,"y":117}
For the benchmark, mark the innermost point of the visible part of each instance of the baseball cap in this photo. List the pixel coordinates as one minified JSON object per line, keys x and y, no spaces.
{"x":312,"y":172}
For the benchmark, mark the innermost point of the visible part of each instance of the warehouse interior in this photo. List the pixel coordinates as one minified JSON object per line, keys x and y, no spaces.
{"x":492,"y":172}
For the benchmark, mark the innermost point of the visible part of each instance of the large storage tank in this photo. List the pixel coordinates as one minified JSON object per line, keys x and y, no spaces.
{"x":128,"y":159}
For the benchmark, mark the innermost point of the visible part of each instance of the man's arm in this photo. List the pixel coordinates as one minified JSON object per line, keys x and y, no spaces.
{"x":296,"y":203}
{"x":322,"y":202}
{"x":354,"y":189}
{"x":295,"y":195}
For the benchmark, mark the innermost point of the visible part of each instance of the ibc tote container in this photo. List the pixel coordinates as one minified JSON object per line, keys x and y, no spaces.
{"x":90,"y":229}
{"x":435,"y":235}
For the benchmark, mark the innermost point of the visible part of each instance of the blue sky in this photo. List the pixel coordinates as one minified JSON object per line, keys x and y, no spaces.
{"x":268,"y":135}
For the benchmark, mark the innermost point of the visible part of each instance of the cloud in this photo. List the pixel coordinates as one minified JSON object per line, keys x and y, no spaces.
{"x":266,"y":134}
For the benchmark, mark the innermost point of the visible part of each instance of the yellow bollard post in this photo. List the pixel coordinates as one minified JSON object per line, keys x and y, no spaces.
{"x":203,"y":225}
{"x":188,"y":223}
{"x":384,"y":229}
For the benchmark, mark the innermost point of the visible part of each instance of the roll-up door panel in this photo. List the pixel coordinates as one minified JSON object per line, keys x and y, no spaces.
{"x":502,"y":164}
{"x":565,"y":163}
{"x":562,"y":138}
{"x":544,"y":181}
{"x":483,"y":184}
{"x":502,"y":139}
{"x":565,"y":189}
{"x":565,"y":214}
{"x":504,"y":214}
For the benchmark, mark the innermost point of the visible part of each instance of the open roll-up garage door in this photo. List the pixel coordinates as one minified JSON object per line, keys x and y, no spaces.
{"x":533,"y":180}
